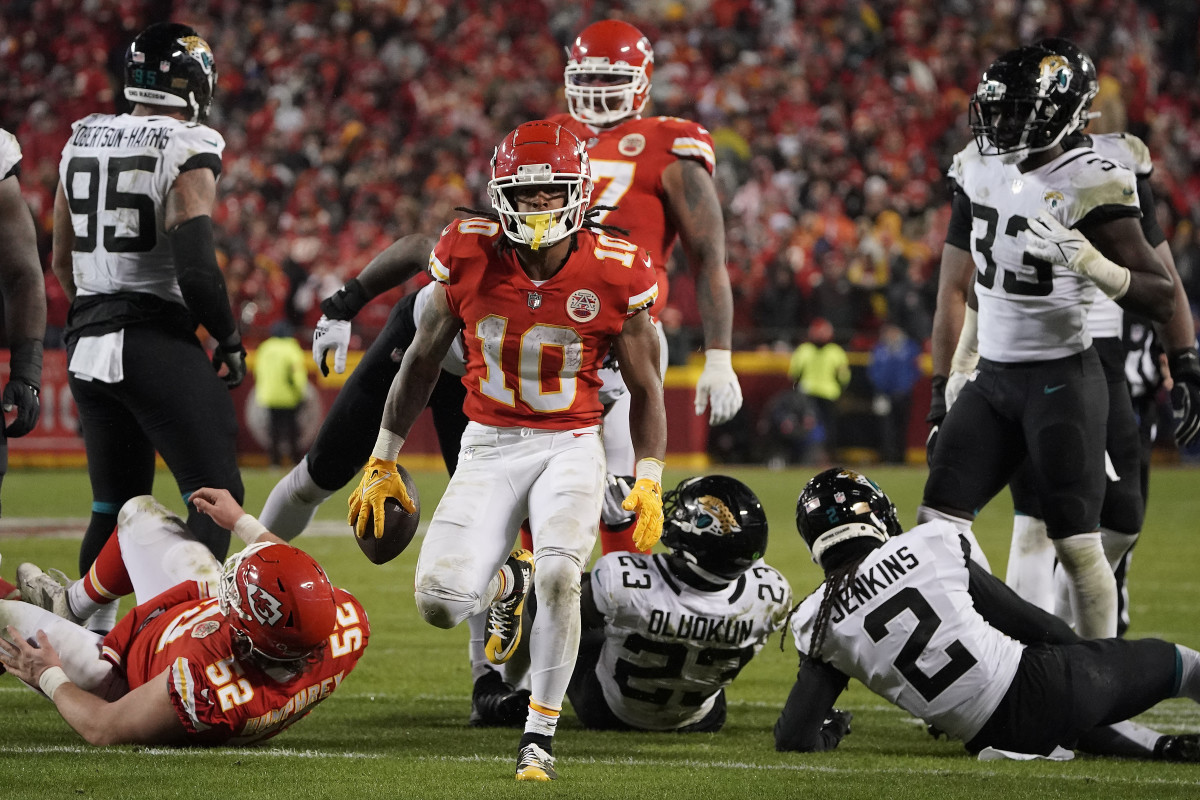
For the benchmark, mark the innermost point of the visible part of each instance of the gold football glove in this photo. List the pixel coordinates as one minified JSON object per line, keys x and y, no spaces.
{"x":645,"y":498}
{"x":380,"y":481}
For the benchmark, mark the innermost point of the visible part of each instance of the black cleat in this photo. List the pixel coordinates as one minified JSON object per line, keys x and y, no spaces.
{"x":1184,"y":748}
{"x":496,"y":704}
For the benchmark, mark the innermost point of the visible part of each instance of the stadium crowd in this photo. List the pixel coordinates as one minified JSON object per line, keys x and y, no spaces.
{"x":351,"y":124}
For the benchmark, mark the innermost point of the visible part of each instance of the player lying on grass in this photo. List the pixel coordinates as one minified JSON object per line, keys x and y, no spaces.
{"x":211,"y":655}
{"x":665,"y":634}
{"x":918,"y":622}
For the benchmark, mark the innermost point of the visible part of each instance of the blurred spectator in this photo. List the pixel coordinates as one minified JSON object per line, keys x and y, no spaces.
{"x":821,"y":370}
{"x":893,"y":372}
{"x":280,"y":386}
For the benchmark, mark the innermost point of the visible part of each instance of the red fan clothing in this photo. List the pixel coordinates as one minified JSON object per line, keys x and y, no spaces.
{"x":628,"y":161}
{"x":534,"y":349}
{"x":220,"y":699}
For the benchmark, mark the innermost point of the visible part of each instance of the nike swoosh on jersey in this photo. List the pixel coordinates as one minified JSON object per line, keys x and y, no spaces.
{"x":1053,"y":389}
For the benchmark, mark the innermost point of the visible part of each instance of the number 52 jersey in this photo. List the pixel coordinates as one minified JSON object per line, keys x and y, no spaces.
{"x":116,"y":171}
{"x":669,"y":649}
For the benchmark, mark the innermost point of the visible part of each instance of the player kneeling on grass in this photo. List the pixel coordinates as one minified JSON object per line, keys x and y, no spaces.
{"x":215,"y":656}
{"x":911,"y":616}
{"x":664,"y":634}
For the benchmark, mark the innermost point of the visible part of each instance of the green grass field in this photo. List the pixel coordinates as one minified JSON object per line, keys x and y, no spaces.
{"x":397,"y":727}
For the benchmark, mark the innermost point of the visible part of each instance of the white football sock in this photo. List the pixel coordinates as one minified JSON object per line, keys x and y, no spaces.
{"x":293,"y":503}
{"x":1030,"y":570}
{"x":104,"y":618}
{"x":1189,"y":673}
{"x":1093,"y":587}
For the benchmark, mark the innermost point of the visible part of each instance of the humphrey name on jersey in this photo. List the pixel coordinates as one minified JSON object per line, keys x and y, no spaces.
{"x":156,"y":136}
{"x":726,"y":630}
{"x":868,"y":585}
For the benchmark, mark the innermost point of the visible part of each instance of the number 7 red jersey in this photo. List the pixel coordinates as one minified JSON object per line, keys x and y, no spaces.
{"x":534,"y":350}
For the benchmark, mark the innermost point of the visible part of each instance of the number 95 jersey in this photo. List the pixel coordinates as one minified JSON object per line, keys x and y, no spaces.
{"x":116,"y":171}
{"x":534,"y":350}
{"x":670,"y":648}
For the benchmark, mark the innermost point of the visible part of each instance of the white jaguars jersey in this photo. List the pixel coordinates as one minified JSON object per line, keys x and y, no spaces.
{"x":1031,"y":310}
{"x":670,"y":648}
{"x":455,"y":360}
{"x":10,"y":153}
{"x":1106,"y":317}
{"x":909,"y":631}
{"x":116,"y":172}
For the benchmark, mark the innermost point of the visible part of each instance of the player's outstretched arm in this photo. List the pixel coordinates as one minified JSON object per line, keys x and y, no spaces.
{"x":809,"y":722}
{"x":400,"y":261}
{"x":144,"y":715}
{"x":228,"y":513}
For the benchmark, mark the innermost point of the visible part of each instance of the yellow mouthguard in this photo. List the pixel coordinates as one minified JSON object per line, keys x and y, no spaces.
{"x":540,"y":224}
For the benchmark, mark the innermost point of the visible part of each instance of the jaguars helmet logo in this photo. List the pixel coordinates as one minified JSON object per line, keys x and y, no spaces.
{"x":1054,"y":74}
{"x":199,"y":50}
{"x":714,"y":517}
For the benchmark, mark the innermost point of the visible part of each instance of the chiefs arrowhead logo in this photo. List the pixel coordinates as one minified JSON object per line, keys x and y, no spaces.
{"x":263,"y":605}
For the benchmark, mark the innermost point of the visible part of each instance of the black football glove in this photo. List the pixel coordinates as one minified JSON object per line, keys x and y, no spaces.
{"x":233,"y":357}
{"x":1185,"y":395}
{"x":937,"y":413}
{"x":837,"y":724}
{"x":346,"y":301}
{"x":24,"y":383}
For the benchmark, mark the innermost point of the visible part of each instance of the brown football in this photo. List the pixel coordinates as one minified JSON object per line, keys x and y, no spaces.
{"x":399,"y":526}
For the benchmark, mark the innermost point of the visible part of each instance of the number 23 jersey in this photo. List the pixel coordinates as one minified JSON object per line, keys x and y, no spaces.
{"x":116,"y":172}
{"x":534,"y":350}
{"x":908,"y":630}
{"x":669,"y":648}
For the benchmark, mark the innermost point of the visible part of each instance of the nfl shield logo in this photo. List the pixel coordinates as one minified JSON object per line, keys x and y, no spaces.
{"x":534,"y":301}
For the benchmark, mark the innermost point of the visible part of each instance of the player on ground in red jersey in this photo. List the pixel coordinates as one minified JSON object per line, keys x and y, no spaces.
{"x":232,"y":656}
{"x":539,"y":296}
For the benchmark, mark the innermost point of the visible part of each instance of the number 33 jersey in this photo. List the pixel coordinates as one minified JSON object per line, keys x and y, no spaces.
{"x":669,"y":648}
{"x":534,"y":350}
{"x":1029,"y":309}
{"x":907,"y":628}
{"x":116,"y":171}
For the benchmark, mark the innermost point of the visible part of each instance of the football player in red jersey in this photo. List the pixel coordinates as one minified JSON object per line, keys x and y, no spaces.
{"x":653,"y":179}
{"x":232,"y":656}
{"x":539,"y":295}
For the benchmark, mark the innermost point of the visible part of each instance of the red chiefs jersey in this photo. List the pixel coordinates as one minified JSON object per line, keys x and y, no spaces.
{"x":534,"y":351}
{"x":220,"y":699}
{"x":628,"y":161}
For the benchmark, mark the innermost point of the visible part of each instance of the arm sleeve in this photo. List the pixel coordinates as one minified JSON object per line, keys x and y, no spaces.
{"x":200,"y":279}
{"x":1150,"y":227}
{"x":800,"y":726}
{"x":959,"y":232}
{"x":1009,"y":613}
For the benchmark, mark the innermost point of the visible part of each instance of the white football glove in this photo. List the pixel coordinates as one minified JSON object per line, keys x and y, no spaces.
{"x":1050,"y":241}
{"x":616,"y":489}
{"x":331,"y":334}
{"x":718,"y":388}
{"x":954,"y":385}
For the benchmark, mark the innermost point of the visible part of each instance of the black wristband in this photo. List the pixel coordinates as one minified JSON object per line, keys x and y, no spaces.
{"x":937,"y":399}
{"x":1185,"y":365}
{"x":346,"y":302}
{"x":25,"y":362}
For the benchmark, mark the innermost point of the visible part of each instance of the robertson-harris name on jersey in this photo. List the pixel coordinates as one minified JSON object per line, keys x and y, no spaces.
{"x":701,"y":629}
{"x":867,"y":585}
{"x":105,"y":136}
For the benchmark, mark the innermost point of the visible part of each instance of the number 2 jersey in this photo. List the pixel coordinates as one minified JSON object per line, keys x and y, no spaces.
{"x":628,"y":161}
{"x":908,"y":629}
{"x":534,"y":349}
{"x":1029,"y":309}
{"x":221,"y":699}
{"x":116,"y":172}
{"x":669,"y":648}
